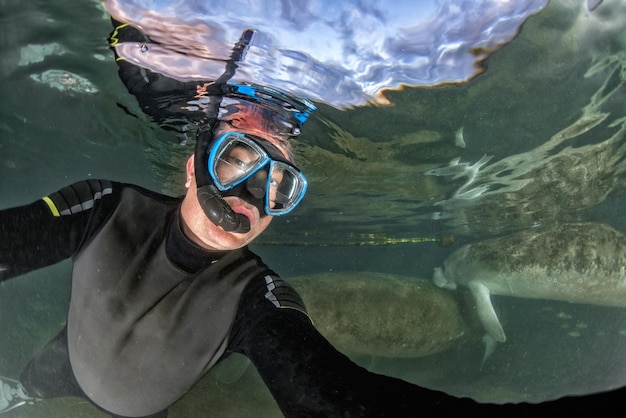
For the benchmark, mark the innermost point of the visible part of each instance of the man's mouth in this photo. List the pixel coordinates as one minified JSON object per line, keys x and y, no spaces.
{"x":242,"y":210}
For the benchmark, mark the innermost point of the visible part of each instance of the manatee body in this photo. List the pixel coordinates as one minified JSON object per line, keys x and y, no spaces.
{"x":381,"y":315}
{"x":575,"y":262}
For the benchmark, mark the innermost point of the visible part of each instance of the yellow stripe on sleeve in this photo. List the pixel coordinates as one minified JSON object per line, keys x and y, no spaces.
{"x":51,"y":205}
{"x":114,"y":39}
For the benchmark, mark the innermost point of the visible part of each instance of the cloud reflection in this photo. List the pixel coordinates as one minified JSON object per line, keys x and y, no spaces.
{"x":344,"y":53}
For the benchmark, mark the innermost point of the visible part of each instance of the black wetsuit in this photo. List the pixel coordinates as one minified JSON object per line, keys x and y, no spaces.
{"x":151,"y":312}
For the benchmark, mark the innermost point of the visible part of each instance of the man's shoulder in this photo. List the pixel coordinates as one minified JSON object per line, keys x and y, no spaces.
{"x":79,"y":196}
{"x":270,"y":287}
{"x":85,"y":194}
{"x":148,"y":193}
{"x":281,"y":294}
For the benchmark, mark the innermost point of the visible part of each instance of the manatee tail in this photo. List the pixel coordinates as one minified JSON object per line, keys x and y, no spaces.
{"x":486,"y":313}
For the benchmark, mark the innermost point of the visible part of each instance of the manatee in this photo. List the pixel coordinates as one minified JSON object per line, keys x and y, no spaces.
{"x":382,"y":315}
{"x":573,"y":262}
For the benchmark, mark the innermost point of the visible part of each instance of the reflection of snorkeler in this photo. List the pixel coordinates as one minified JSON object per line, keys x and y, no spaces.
{"x":163,"y":289}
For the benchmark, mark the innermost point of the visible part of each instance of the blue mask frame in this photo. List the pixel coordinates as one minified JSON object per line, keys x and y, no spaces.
{"x":285,"y":194}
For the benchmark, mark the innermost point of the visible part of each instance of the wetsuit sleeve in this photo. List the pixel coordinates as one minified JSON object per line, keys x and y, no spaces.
{"x":52,"y":229}
{"x":308,"y":377}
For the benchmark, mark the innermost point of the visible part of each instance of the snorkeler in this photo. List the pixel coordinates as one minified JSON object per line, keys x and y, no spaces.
{"x":161,"y":292}
{"x":164,"y":288}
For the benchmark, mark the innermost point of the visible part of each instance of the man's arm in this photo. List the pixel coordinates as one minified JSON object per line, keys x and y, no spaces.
{"x":50,"y":229}
{"x":308,"y":377}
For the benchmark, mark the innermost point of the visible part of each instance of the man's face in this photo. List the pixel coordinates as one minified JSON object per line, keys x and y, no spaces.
{"x":199,"y":227}
{"x":205,"y":233}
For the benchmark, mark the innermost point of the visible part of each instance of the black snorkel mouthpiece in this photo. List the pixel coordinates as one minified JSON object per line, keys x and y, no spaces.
{"x":218,"y":211}
{"x":211,"y":201}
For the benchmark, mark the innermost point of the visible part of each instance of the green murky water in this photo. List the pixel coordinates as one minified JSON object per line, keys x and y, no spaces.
{"x":536,"y":140}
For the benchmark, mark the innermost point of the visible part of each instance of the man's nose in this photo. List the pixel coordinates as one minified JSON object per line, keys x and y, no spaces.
{"x":256,"y":184}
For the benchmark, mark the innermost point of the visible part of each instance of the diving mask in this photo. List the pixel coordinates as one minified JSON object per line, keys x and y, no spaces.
{"x":238,"y":159}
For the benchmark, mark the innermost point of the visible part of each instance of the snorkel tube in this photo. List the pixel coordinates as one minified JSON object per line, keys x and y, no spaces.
{"x":211,"y":201}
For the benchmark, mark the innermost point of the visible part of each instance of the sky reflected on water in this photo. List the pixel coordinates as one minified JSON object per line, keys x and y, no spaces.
{"x":340,"y":53}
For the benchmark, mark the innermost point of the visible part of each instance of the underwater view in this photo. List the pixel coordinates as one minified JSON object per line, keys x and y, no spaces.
{"x":464,"y":227}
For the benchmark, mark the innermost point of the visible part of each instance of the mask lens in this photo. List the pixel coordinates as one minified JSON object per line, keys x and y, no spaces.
{"x":286,"y":187}
{"x":233,"y":159}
